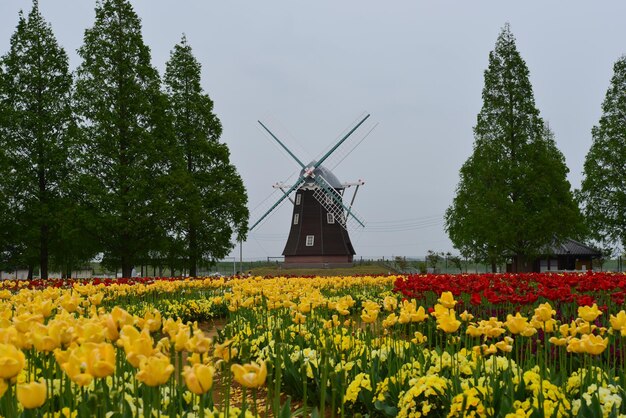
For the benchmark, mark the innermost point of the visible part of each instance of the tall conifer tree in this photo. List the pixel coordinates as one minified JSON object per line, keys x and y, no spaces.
{"x":513,"y":198}
{"x":35,"y":91}
{"x":126,"y":132}
{"x":213,"y":203}
{"x":603,"y":189}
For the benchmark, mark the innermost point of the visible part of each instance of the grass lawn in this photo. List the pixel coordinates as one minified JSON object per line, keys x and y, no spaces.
{"x":371,"y":269}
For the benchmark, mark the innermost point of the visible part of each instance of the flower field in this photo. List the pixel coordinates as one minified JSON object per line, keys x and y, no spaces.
{"x":533,"y":345}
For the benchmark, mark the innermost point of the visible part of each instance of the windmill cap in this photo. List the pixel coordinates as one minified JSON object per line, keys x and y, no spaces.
{"x":325,"y":173}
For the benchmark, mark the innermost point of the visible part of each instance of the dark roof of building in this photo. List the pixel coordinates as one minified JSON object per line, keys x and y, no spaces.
{"x":572,"y":247}
{"x":326,"y":174}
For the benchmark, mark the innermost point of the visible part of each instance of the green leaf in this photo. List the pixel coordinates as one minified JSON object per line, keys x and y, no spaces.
{"x":389,"y":410}
{"x":285,"y":411}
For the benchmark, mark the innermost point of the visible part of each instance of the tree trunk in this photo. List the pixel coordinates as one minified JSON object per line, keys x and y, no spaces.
{"x":43,"y":251}
{"x":494,"y":267}
{"x":31,"y":268}
{"x":193,"y":251}
{"x":127,"y":267}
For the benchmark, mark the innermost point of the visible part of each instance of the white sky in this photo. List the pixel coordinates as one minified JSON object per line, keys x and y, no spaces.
{"x":311,"y":68}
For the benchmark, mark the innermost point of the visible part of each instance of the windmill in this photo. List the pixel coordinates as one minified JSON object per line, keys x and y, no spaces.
{"x":320,"y":221}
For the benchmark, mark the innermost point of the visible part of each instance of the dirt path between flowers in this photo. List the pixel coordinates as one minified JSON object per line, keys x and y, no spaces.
{"x":211,"y":326}
{"x":263,"y":408}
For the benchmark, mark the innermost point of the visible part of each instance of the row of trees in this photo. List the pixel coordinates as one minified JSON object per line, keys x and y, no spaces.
{"x":513,"y":197}
{"x":111,"y":159}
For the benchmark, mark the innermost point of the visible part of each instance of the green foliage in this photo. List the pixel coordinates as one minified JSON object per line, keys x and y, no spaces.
{"x":35,"y":138}
{"x":211,"y":202}
{"x":127,"y":136}
{"x":433,"y":258}
{"x":513,"y":196}
{"x":603,"y":192}
{"x":456,"y":261}
{"x":421,"y":266}
{"x":401,"y":262}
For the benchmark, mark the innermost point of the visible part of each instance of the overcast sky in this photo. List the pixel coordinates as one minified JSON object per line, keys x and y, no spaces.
{"x":310,"y":69}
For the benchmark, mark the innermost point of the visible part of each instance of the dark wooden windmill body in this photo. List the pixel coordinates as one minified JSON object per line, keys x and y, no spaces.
{"x":318,"y":235}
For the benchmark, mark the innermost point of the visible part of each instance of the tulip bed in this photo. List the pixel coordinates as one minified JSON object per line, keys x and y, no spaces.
{"x":537,"y":345}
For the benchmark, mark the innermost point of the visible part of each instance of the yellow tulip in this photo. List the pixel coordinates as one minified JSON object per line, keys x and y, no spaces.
{"x":31,"y":395}
{"x":488,"y":349}
{"x":199,"y":343}
{"x":474,"y":331}
{"x":100,"y":359}
{"x":199,"y":378}
{"x":151,"y":321}
{"x":75,"y":365}
{"x":42,"y":340}
{"x":419,"y":338}
{"x":574,"y":345}
{"x":447,"y":300}
{"x":9,"y":335}
{"x":171,"y":327}
{"x":493,"y":327}
{"x":23,"y":322}
{"x":181,"y":338}
{"x":304,"y":307}
{"x":593,"y":344}
{"x":249,"y":375}
{"x":390,"y":303}
{"x":369,"y":316}
{"x":618,"y":322}
{"x":585,"y":327}
{"x":371,"y":306}
{"x":505,"y":345}
{"x":466,"y":316}
{"x":44,"y":307}
{"x":111,"y":331}
{"x":225,"y":351}
{"x":546,"y":326}
{"x":568,"y":330}
{"x":544,"y":312}
{"x":419,"y":315}
{"x":136,"y":345}
{"x":154,"y":370}
{"x":342,"y":309}
{"x":516,"y":324}
{"x":12,"y":361}
{"x":70,"y":302}
{"x":558,"y":341}
{"x":589,"y":313}
{"x":121,"y":317}
{"x":448,"y":323}
{"x":96,"y":299}
{"x":298,"y":318}
{"x":439,"y":310}
{"x":390,"y":321}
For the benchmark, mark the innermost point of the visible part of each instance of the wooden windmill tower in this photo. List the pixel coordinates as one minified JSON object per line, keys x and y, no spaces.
{"x":320,"y":220}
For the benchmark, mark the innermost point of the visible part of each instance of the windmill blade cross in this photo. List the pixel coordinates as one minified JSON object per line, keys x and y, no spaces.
{"x":279,"y":201}
{"x":341,"y":141}
{"x":282,"y":145}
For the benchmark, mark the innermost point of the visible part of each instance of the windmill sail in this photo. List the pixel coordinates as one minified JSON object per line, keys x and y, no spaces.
{"x":332,"y":201}
{"x":320,"y":219}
